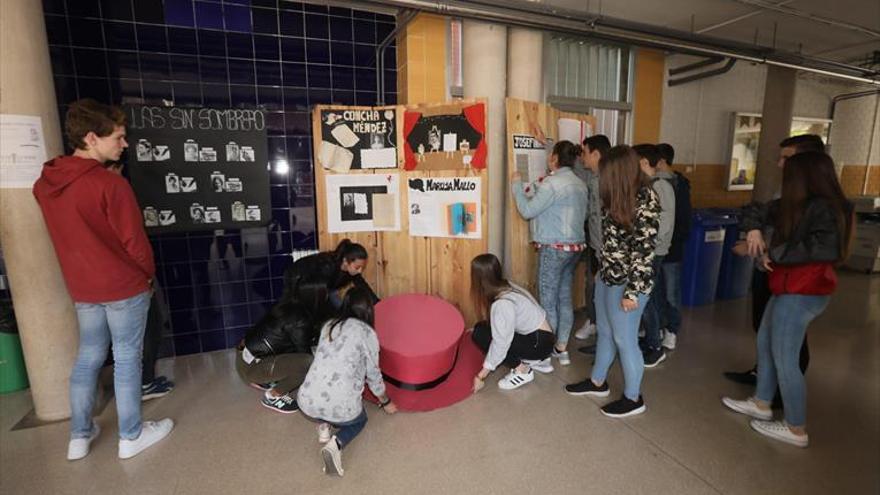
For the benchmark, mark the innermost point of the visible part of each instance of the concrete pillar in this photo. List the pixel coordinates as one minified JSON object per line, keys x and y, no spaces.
{"x":45,"y":313}
{"x":484,"y":71}
{"x":525,"y":76}
{"x":775,"y":126}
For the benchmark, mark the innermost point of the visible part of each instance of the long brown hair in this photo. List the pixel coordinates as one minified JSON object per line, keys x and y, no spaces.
{"x":487,"y":282}
{"x":807,"y":176}
{"x":620,"y":180}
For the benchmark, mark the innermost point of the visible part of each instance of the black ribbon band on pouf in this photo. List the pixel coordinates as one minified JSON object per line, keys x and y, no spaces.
{"x":415,"y":387}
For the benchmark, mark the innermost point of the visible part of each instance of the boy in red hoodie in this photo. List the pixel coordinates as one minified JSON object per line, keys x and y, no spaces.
{"x":95,"y":224}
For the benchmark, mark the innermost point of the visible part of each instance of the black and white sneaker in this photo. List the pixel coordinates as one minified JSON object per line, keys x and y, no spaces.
{"x":159,"y":387}
{"x":284,"y":404}
{"x":653,"y":357}
{"x":623,"y":407}
{"x":587,"y":387}
{"x":332,"y":456}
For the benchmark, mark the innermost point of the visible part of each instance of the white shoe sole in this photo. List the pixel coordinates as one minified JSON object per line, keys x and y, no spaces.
{"x":789,"y":439}
{"x":654,"y":365}
{"x":275,"y":409}
{"x":503,"y":384}
{"x":638,"y":410}
{"x":734,"y":405}
{"x":329,"y":465}
{"x":128,"y":453}
{"x":75,"y":456}
{"x":544,"y":366}
{"x":592,"y":393}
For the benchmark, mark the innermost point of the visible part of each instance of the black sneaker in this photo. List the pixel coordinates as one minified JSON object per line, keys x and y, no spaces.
{"x":284,"y":404}
{"x":749,"y":377}
{"x":653,"y":357}
{"x":159,"y":387}
{"x":623,"y":407}
{"x":587,"y":387}
{"x":263,"y":386}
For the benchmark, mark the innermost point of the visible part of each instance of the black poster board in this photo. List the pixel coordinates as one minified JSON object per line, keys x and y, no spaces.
{"x":356,"y":138}
{"x":198,"y":169}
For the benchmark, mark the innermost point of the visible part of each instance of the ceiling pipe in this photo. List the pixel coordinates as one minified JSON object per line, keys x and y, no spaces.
{"x":403,"y":20}
{"x":812,"y":17}
{"x":694,"y":66}
{"x":704,"y":75}
{"x":737,"y":19}
{"x":536,"y":16}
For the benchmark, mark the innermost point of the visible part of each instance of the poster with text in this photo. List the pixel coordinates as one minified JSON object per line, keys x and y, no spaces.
{"x":357,"y":138}
{"x":530,"y":157}
{"x":445,"y":207}
{"x":22,"y":150}
{"x":199,"y":168}
{"x":445,"y":137}
{"x":362,"y":202}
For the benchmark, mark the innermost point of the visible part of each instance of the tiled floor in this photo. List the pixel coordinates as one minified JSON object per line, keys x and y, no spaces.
{"x":533,"y":440}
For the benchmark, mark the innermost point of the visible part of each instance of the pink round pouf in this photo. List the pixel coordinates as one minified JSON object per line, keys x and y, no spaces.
{"x":426,"y":358}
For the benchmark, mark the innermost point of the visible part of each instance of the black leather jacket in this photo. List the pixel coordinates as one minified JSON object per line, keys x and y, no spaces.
{"x":322,"y":266}
{"x":288,"y":327}
{"x":816,"y":238}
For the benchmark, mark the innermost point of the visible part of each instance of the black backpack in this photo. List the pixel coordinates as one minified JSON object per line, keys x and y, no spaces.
{"x":683,"y":209}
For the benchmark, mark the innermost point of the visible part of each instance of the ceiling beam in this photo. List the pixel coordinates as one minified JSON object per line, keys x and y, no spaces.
{"x":812,"y":17}
{"x":739,"y":18}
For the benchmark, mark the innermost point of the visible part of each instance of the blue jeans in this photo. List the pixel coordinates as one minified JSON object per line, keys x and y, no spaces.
{"x":780,"y":337}
{"x":349,"y":429}
{"x":653,"y":309}
{"x":618,"y":333}
{"x":670,"y":279}
{"x":555,"y":276}
{"x":123,"y":322}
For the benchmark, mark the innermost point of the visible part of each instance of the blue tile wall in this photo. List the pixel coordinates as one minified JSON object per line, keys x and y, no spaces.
{"x":283,"y":57}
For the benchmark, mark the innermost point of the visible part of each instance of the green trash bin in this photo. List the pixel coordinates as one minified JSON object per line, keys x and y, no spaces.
{"x":13,"y":375}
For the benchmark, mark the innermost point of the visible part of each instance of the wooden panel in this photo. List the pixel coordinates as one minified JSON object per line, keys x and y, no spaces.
{"x":648,"y":95}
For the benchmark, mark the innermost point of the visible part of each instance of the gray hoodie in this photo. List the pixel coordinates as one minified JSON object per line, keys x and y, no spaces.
{"x":663,"y":187}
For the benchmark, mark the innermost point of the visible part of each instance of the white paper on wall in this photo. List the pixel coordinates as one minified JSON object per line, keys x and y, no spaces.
{"x":379,"y":158}
{"x":335,"y":158}
{"x":351,"y":206}
{"x":571,"y":130}
{"x":22,"y":150}
{"x":345,"y":135}
{"x":445,"y":207}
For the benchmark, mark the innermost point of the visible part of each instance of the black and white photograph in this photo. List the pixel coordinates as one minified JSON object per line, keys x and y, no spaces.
{"x":207,"y":154}
{"x":414,"y":209}
{"x":151,"y":217}
{"x":144,"y":151}
{"x":233,"y":184}
{"x":218,"y":182}
{"x":377,"y":141}
{"x":247,"y":153}
{"x":212,"y":215}
{"x":188,"y":184}
{"x":233,"y":153}
{"x":161,"y":153}
{"x":172,"y":184}
{"x":190,"y":151}
{"x":357,"y":202}
{"x":238,"y":212}
{"x":167,"y":217}
{"x":253,"y":214}
{"x":197,"y":213}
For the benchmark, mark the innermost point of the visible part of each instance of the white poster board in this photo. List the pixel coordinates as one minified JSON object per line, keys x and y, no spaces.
{"x":445,"y":207}
{"x":362,"y":203}
{"x":530,"y":157}
{"x":22,"y":150}
{"x":573,"y":130}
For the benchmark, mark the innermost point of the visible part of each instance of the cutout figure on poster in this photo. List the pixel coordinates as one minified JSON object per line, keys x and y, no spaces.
{"x":197,"y":213}
{"x":253,"y":214}
{"x":238,"y":212}
{"x":247,"y":153}
{"x":188,"y":184}
{"x":357,"y":138}
{"x":233,"y":154}
{"x":151,"y":217}
{"x":207,"y":154}
{"x":161,"y":153}
{"x":144,"y":151}
{"x":445,"y":207}
{"x":212,"y":214}
{"x":233,"y":184}
{"x":167,"y":217}
{"x":172,"y":184}
{"x":434,"y":137}
{"x":218,"y":182}
{"x":190,"y":151}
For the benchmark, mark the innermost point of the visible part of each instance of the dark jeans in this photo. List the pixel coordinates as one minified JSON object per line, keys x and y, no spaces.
{"x":535,"y":346}
{"x":760,"y":297}
{"x":656,"y":302}
{"x":592,"y":265}
{"x":670,"y":279}
{"x":348,"y":430}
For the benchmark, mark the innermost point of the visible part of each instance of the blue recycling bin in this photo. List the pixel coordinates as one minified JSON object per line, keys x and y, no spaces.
{"x":702,"y":257}
{"x":735,"y":273}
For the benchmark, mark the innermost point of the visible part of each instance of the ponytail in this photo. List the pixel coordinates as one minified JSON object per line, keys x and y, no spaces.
{"x":349,"y":251}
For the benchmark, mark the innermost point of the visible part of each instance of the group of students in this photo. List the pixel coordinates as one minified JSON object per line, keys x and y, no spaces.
{"x":316,"y":349}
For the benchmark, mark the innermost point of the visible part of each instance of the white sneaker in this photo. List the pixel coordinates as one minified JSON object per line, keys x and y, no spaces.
{"x":79,"y":447}
{"x":585,"y":331}
{"x":332,"y":457}
{"x":562,"y":356}
{"x":779,"y":430}
{"x":151,"y":432}
{"x":323,"y":433}
{"x":542,"y":366}
{"x":515,"y":380}
{"x":747,"y":407}
{"x":669,"y":340}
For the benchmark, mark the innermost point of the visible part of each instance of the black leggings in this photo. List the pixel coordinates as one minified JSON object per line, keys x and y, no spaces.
{"x":533,"y":346}
{"x":760,"y":297}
